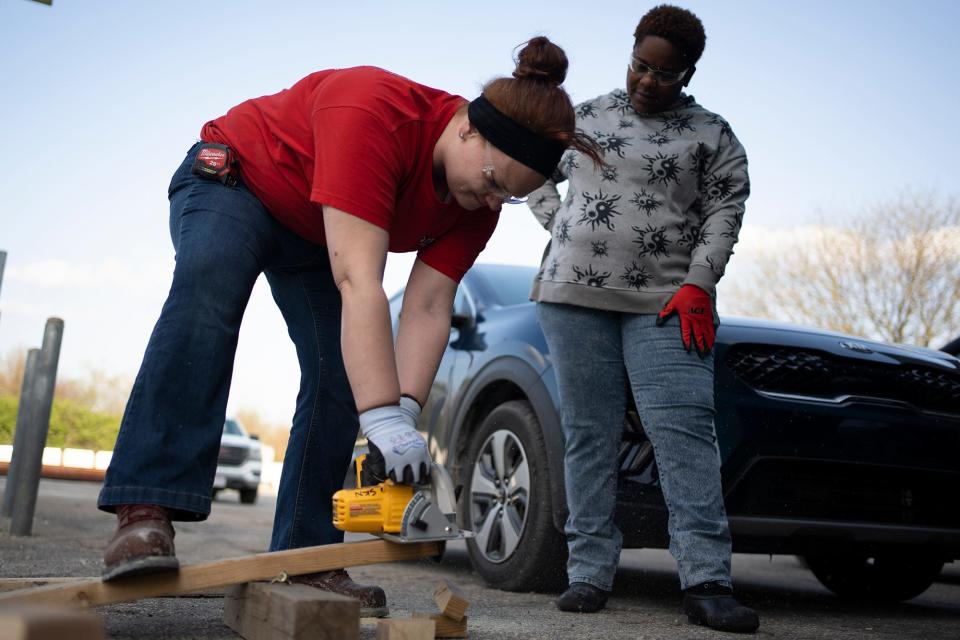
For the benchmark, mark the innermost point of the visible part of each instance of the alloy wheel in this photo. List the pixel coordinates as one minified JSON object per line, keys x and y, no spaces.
{"x":499,"y":495}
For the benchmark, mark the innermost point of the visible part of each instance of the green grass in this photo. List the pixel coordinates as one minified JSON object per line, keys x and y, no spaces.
{"x":71,"y":425}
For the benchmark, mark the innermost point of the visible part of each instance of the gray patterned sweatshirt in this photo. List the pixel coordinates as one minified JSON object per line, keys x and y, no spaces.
{"x":665,"y":209}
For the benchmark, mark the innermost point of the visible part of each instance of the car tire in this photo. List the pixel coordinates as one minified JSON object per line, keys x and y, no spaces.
{"x":516,"y":546}
{"x":248,"y":496}
{"x":889,"y":575}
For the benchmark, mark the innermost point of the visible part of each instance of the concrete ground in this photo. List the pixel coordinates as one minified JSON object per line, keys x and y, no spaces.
{"x":69,"y":534}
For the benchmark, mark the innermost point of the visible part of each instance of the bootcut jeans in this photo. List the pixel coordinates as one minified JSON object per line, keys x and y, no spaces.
{"x":592,"y":350}
{"x":166,"y":452}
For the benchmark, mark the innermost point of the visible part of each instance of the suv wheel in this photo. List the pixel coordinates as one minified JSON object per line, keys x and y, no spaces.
{"x":889,"y":575}
{"x":507,"y":503}
{"x":248,"y":496}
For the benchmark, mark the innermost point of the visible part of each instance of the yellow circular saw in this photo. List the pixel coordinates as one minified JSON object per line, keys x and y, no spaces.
{"x":400,"y":512}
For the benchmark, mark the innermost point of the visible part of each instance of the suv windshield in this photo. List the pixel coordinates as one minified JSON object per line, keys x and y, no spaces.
{"x":233,"y":428}
{"x":509,"y":283}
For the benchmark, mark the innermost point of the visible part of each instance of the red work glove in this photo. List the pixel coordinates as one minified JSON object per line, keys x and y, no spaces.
{"x":695,"y":309}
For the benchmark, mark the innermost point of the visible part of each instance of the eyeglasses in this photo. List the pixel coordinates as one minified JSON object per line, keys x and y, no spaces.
{"x":662,"y":78}
{"x":492,"y":186}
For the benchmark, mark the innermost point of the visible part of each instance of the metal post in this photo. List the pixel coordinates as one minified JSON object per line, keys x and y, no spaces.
{"x":20,"y":432}
{"x":3,"y":262}
{"x":41,"y":400}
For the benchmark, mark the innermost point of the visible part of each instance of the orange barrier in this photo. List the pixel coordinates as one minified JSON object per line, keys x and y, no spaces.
{"x":64,"y":473}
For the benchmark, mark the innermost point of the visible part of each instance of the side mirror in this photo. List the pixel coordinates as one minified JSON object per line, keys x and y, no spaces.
{"x":254,"y":436}
{"x":462,"y":319}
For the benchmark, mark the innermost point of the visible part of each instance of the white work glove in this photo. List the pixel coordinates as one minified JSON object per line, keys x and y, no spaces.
{"x":390,"y":434}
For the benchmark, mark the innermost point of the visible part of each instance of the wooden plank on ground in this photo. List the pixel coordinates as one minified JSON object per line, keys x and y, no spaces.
{"x":405,"y":629}
{"x":36,"y":622}
{"x":261,"y":566}
{"x":451,"y":600}
{"x":445,"y":627}
{"x":14,"y":584}
{"x":282,"y":611}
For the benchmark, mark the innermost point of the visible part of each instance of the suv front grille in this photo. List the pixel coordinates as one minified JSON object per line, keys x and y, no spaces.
{"x":806,"y":372}
{"x":846,"y":492}
{"x":232,"y":456}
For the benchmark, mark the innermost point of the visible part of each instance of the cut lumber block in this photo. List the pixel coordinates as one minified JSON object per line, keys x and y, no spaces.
{"x":405,"y":629}
{"x":35,"y":622}
{"x":281,"y":611}
{"x":445,"y":627}
{"x":451,"y":600}
{"x":262,"y":566}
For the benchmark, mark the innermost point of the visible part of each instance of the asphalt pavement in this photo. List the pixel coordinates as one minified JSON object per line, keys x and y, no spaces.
{"x":69,"y":534}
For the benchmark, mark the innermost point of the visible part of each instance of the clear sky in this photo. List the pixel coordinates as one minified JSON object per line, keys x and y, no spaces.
{"x":839,"y":104}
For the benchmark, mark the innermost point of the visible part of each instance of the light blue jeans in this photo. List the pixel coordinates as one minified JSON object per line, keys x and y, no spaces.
{"x":592,"y":350}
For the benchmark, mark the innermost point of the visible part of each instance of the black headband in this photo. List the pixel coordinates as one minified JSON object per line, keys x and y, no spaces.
{"x":539,"y":153}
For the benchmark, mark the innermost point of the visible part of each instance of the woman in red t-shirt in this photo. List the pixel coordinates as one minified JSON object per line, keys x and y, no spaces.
{"x":312,"y":187}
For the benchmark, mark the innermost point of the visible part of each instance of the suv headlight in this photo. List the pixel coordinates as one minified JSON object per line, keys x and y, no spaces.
{"x":255,"y":453}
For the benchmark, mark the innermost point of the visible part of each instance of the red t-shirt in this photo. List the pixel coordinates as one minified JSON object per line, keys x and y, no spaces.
{"x":360,"y":140}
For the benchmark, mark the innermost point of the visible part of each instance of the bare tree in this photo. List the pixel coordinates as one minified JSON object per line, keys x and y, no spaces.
{"x":274,"y":435}
{"x":95,"y":390}
{"x":892,"y":273}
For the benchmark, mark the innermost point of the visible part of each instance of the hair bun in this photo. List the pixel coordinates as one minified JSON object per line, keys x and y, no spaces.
{"x":540,"y":59}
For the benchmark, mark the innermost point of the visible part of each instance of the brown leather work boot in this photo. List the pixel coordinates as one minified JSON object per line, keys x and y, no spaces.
{"x":373,"y":601}
{"x":143,"y":543}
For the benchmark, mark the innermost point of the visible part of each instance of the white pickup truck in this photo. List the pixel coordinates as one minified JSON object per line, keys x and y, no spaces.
{"x":238,"y":466}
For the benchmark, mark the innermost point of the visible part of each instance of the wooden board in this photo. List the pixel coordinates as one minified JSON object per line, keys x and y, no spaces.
{"x":282,"y":611}
{"x":405,"y":629}
{"x":451,"y":600}
{"x":13,"y":584}
{"x":35,"y":622}
{"x":262,"y":566}
{"x":445,"y":627}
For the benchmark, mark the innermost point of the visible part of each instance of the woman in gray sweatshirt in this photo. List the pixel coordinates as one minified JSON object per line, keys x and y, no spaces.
{"x":627,"y":286}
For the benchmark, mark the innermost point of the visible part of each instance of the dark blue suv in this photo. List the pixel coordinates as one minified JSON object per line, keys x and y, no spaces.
{"x":838,"y":449}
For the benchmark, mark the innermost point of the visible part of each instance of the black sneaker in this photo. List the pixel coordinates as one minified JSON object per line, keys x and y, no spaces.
{"x":581,"y":597}
{"x":712,"y":605}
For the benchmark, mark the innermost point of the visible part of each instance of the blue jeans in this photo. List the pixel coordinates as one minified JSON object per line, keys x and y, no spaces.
{"x":592,"y":350}
{"x":166,"y":452}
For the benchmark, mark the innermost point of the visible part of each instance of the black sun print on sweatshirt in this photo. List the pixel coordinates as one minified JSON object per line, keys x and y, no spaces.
{"x":620,"y":102}
{"x":598,"y":248}
{"x":676,"y":122}
{"x":591,"y":277}
{"x":662,"y":168}
{"x":568,"y":164}
{"x":562,"y":231}
{"x":646,"y":202}
{"x":608,"y":173}
{"x":587,"y":110}
{"x":700,"y":159}
{"x":718,"y":187}
{"x":653,"y":241}
{"x":554,"y":267}
{"x":692,"y":235}
{"x":599,"y":209}
{"x":658,"y":139}
{"x":610,"y":142}
{"x":725,"y":129}
{"x":636,"y":276}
